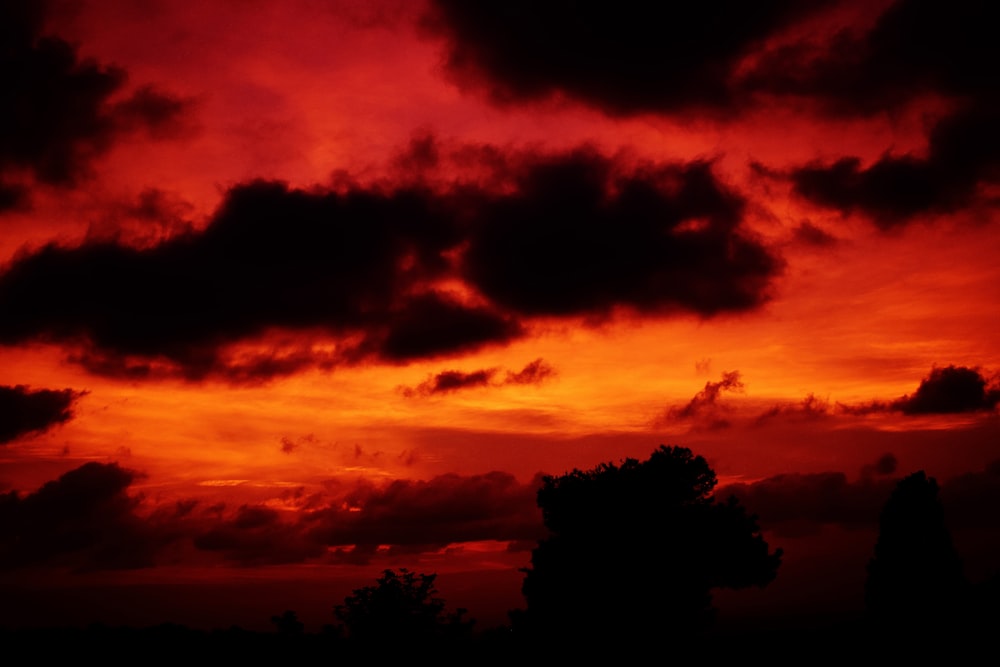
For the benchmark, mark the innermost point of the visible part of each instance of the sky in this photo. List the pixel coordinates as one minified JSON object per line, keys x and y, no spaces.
{"x":294,"y":292}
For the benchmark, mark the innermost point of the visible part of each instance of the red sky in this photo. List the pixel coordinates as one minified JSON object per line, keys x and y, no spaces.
{"x":293,"y":292}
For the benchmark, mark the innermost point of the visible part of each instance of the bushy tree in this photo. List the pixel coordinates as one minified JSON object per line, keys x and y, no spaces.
{"x":635,"y":550}
{"x":288,"y":624}
{"x":400,"y":607}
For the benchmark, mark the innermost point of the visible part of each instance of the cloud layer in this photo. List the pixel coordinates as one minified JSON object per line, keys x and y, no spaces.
{"x":82,"y":521}
{"x":623,"y":58}
{"x":450,"y":381}
{"x":725,"y":58}
{"x":87,"y":519}
{"x":578,"y":234}
{"x":24,"y":411}
{"x":60,"y":111}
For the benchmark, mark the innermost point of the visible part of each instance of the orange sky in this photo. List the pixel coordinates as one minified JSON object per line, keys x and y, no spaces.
{"x":809,"y":362}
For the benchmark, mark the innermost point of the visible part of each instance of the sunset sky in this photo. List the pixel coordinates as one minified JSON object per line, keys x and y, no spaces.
{"x":293,"y":292}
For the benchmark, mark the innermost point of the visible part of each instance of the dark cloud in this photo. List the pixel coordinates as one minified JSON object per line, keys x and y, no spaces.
{"x":574,"y":234}
{"x":534,"y":373}
{"x":971,"y":499}
{"x":427,"y":515}
{"x":362,"y":521}
{"x":83,"y":520}
{"x":621,"y":57}
{"x":916,"y":49}
{"x":57,"y":112}
{"x":430,"y":325}
{"x":963,"y":153}
{"x":862,"y":409}
{"x":809,"y":234}
{"x":12,"y":196}
{"x":584,"y":236}
{"x":448,"y":381}
{"x":808,"y":409}
{"x":704,"y":404}
{"x":24,"y":411}
{"x":258,"y":536}
{"x":795,"y":505}
{"x":948,"y":390}
{"x":801,"y":503}
{"x":886,"y":465}
{"x":271,"y":258}
{"x":153,"y":216}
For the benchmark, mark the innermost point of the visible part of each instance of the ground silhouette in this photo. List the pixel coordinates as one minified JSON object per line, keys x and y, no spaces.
{"x":635,"y":550}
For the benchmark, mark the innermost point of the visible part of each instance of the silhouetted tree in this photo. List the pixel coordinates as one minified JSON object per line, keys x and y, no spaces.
{"x":400,"y":607}
{"x":915,"y":581}
{"x":288,"y":624}
{"x":635,"y":550}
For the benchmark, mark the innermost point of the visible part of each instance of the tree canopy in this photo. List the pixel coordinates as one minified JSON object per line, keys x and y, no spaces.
{"x":635,"y":549}
{"x":400,"y":607}
{"x":915,"y":577}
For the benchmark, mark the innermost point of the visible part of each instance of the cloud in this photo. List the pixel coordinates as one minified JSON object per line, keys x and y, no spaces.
{"x":448,"y":381}
{"x":962,"y":154}
{"x":257,"y":536}
{"x":623,"y":58}
{"x":24,"y":411}
{"x":796,"y":504}
{"x":84,"y":520}
{"x":429,"y":325}
{"x":152,"y":217}
{"x":948,"y":390}
{"x":885,"y":465}
{"x":808,"y":409}
{"x":279,"y":271}
{"x":534,"y":373}
{"x":427,"y":515}
{"x":915,"y":50}
{"x":12,"y":197}
{"x":809,"y":234}
{"x":971,"y":499}
{"x":58,"y":112}
{"x":365,"y":520}
{"x":271,"y":258}
{"x":704,"y":405}
{"x":583,"y":235}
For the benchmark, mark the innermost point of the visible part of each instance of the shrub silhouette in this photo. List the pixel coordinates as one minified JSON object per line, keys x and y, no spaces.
{"x":915,"y":580}
{"x":288,"y":624}
{"x":635,"y":550}
{"x":400,"y":607}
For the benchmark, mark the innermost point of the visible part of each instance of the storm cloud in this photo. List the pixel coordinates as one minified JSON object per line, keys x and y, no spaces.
{"x":60,"y":111}
{"x":24,"y":410}
{"x":579,"y":234}
{"x":621,"y":57}
{"x":85,"y":520}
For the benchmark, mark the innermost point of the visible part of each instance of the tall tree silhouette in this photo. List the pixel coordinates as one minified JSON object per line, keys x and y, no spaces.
{"x":635,"y":550}
{"x":915,"y":580}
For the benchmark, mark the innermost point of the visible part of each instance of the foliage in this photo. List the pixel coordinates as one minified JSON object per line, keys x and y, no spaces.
{"x":400,"y":607}
{"x":636,"y":548}
{"x":288,"y":624}
{"x":915,"y":576}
